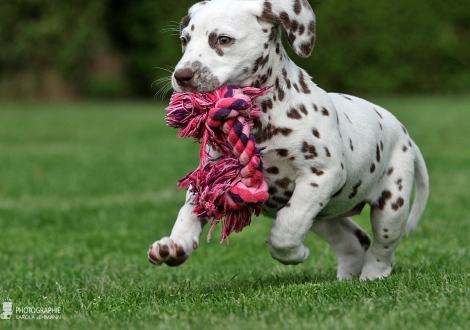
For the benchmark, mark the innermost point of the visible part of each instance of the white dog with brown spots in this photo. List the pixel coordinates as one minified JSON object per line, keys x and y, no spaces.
{"x":326,"y":155}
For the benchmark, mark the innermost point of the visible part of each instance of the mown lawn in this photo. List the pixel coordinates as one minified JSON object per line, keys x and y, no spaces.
{"x":86,"y":187}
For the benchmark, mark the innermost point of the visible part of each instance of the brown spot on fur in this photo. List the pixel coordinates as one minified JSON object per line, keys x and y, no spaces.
{"x":294,"y":25}
{"x":283,"y":183}
{"x":405,"y":148}
{"x":316,"y":133}
{"x":355,"y":189}
{"x":272,"y":190}
{"x":281,"y":94}
{"x":317,"y":172}
{"x":272,"y":170}
{"x":213,"y":43}
{"x":184,"y":22}
{"x":315,"y":185}
{"x":351,"y":145}
{"x":363,"y":239}
{"x":282,"y":152}
{"x":377,"y":154}
{"x":309,"y":150}
{"x":294,"y":114}
{"x":311,"y":27}
{"x":264,"y":106}
{"x":269,"y":102}
{"x":297,"y":7}
{"x":390,"y":171}
{"x":325,"y":112}
{"x":303,"y":109}
{"x":303,"y":83}
{"x":263,"y":134}
{"x":372,"y":168}
{"x":327,"y":152}
{"x":386,"y":195}
{"x":399,"y":183}
{"x":398,"y":204}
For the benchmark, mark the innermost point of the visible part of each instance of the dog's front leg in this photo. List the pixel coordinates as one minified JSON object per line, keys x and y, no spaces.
{"x":183,"y":240}
{"x":294,"y":220}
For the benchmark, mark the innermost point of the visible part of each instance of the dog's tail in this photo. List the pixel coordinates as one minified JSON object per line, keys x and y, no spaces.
{"x":421,"y":192}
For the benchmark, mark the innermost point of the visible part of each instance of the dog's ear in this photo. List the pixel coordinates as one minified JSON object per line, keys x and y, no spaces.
{"x":185,"y":20}
{"x":296,"y":18}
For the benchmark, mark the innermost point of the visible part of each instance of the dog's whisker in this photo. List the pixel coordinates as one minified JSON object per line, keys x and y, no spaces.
{"x":161,"y":93}
{"x":164,"y":69}
{"x":161,"y":80}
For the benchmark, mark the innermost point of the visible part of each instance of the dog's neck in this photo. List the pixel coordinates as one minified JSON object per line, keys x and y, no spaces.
{"x":275,"y":68}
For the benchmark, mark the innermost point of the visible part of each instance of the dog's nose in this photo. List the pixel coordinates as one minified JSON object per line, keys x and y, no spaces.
{"x":183,"y":77}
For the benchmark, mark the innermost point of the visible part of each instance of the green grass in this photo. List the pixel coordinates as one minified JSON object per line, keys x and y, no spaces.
{"x":86,"y":187}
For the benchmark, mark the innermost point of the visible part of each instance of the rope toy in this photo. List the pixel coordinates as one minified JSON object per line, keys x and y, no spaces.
{"x":229,"y":188}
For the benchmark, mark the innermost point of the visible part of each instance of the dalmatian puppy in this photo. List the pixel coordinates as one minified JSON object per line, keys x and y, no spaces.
{"x":326,"y":155}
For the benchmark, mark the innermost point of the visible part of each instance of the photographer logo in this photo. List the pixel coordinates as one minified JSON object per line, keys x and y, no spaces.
{"x":7,"y":311}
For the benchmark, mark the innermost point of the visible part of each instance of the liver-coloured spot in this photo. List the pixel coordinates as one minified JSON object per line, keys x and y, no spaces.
{"x":386,"y":195}
{"x":272,"y":170}
{"x":355,"y":190}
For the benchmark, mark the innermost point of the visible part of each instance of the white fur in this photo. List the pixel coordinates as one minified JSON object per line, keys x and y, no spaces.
{"x":325,"y":154}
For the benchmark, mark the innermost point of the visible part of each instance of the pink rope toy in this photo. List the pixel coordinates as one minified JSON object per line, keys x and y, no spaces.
{"x":232,"y":187}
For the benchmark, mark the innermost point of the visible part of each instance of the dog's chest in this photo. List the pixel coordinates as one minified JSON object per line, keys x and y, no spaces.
{"x":280,"y":176}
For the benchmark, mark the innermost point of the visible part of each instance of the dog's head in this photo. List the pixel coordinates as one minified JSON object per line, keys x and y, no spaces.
{"x":228,"y":42}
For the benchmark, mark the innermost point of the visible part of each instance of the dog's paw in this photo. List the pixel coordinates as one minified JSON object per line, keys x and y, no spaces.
{"x":376,"y":267}
{"x":170,"y":252}
{"x":289,"y":255}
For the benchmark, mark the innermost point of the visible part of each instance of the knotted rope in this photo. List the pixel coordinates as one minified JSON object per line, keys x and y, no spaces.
{"x":229,"y":188}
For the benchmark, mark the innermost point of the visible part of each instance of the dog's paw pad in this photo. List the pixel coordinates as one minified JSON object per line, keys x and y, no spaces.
{"x":167,"y":251}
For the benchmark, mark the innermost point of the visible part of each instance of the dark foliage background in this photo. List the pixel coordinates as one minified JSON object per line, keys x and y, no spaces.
{"x":113,"y":48}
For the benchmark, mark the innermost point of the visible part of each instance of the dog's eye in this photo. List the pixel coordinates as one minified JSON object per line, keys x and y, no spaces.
{"x":224,"y":40}
{"x":184,"y":41}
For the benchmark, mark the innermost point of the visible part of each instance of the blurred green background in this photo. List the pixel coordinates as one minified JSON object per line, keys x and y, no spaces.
{"x":60,"y":49}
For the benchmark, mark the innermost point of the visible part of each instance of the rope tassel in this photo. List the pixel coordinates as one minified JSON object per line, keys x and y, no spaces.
{"x":232,"y":187}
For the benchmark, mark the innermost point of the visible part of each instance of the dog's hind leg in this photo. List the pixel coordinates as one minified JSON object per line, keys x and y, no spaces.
{"x":389,"y":215}
{"x":349,"y":243}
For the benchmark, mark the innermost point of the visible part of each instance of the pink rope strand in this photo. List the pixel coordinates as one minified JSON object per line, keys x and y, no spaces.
{"x":232,"y":187}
